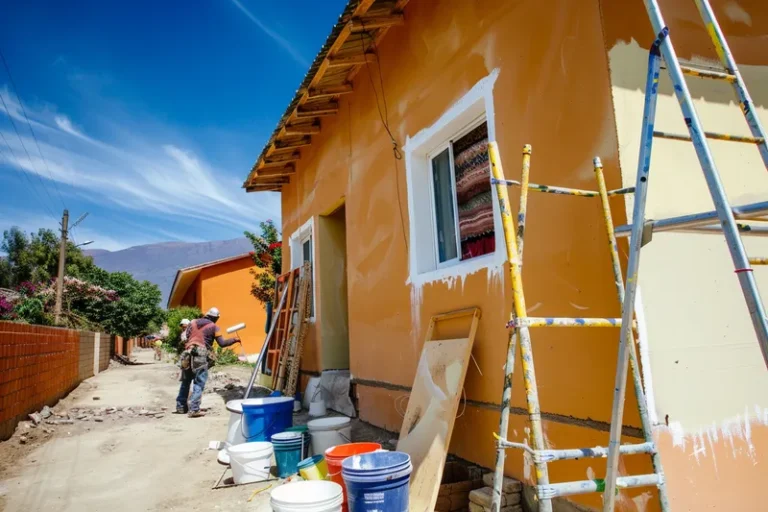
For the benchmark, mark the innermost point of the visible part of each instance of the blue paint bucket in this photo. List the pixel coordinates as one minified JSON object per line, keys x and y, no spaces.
{"x":290,"y":448}
{"x":377,"y":481}
{"x":263,"y":417}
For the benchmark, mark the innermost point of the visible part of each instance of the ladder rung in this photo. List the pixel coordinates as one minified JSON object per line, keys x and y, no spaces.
{"x":549,"y":189}
{"x":710,"y":135}
{"x":579,"y":453}
{"x":742,"y":212}
{"x":598,"y":485}
{"x":532,"y":321}
{"x":706,"y":73}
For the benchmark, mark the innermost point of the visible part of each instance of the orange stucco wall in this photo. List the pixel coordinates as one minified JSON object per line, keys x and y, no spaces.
{"x":554,"y":92}
{"x":227,"y":286}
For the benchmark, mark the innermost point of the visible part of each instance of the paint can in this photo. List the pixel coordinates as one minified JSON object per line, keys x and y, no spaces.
{"x":378,"y":481}
{"x":335,"y":455}
{"x":250,"y":462}
{"x":263,"y":417}
{"x":310,"y":496}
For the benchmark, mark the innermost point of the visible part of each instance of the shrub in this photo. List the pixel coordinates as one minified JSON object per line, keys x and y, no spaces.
{"x":174,"y":318}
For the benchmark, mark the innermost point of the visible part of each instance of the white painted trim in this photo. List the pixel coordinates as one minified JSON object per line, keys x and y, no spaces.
{"x":475,"y":104}
{"x":296,"y":241}
{"x":645,"y":358}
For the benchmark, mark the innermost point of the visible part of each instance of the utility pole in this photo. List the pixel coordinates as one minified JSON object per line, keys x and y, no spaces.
{"x":62,"y":258}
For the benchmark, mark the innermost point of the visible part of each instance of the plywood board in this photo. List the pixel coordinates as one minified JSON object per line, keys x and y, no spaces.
{"x":428,"y":423}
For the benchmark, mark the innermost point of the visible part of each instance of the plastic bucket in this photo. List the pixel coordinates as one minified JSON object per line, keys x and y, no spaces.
{"x":311,"y":496}
{"x":250,"y":462}
{"x":328,"y":432}
{"x":317,"y":408}
{"x":234,"y":431}
{"x":263,"y":417}
{"x":290,"y":448}
{"x":313,"y":468}
{"x":335,"y":455}
{"x":377,"y":481}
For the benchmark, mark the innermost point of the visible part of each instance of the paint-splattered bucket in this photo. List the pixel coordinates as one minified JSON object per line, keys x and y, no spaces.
{"x":335,"y":455}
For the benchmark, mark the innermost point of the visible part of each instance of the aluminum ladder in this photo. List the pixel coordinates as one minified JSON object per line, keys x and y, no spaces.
{"x":520,"y":324}
{"x":662,"y":48}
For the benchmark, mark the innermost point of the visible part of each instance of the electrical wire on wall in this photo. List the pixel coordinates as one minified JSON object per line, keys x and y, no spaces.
{"x":384,"y":117}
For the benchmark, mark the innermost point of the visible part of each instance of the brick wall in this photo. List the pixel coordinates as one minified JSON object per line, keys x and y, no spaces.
{"x":105,"y":351}
{"x":85,"y":364}
{"x":38,"y":365}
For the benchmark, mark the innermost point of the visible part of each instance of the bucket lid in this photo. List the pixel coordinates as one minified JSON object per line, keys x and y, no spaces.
{"x":254,"y":403}
{"x":376,"y":461}
{"x":297,"y":428}
{"x":251,"y":447}
{"x":287,"y":437}
{"x":237,"y":405}
{"x":309,"y":492}
{"x":332,"y":423}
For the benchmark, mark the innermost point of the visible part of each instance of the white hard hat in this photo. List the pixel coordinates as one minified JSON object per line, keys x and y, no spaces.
{"x":185,"y":321}
{"x":213,"y":312}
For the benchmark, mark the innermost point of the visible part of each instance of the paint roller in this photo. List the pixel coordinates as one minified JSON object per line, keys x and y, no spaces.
{"x":234,"y":329}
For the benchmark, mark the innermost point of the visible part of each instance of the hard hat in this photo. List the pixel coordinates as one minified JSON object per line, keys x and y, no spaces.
{"x":185,"y":322}
{"x":213,"y":313}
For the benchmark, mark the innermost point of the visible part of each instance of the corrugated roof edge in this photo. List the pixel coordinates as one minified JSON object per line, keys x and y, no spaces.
{"x":344,"y":18}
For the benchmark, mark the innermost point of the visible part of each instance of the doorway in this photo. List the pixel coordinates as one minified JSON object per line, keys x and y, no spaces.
{"x":332,"y":267}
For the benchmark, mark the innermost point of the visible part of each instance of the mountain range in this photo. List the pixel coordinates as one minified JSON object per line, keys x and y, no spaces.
{"x":158,"y":263}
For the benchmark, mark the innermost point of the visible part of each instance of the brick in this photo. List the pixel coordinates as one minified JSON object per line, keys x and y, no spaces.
{"x":478,"y":508}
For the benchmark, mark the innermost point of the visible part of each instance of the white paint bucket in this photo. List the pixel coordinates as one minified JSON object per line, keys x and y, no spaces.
{"x":250,"y":462}
{"x":317,"y":408}
{"x":309,"y":496}
{"x":234,"y":430}
{"x":328,"y":432}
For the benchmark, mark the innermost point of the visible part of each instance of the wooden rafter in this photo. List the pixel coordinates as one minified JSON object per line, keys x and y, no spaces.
{"x":300,"y":143}
{"x":286,"y":170}
{"x":298,"y":122}
{"x":322,"y":92}
{"x":302,"y":129}
{"x":366,"y":24}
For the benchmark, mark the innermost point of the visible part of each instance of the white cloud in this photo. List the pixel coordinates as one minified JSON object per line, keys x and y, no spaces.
{"x":142,"y":172}
{"x":280,"y":40}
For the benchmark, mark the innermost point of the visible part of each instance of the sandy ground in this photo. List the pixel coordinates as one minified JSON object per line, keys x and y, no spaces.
{"x":128,"y":461}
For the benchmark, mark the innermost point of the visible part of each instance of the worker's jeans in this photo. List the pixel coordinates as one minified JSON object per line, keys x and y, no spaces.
{"x":197,"y":378}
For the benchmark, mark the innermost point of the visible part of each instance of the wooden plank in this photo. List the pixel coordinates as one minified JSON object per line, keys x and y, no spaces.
{"x":263,"y":188}
{"x":301,"y":129}
{"x":335,"y":90}
{"x":286,"y":144}
{"x":352,"y":60}
{"x":327,"y":110}
{"x":277,"y":171}
{"x":271,"y":180}
{"x":368,"y":23}
{"x":279,"y":160}
{"x":428,"y":424}
{"x":362,"y":7}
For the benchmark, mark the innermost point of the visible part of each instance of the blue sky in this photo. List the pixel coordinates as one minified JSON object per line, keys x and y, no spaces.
{"x":148,"y":114}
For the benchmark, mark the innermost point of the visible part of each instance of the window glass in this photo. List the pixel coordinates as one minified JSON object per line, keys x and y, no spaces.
{"x":444,"y":207}
{"x":474,"y":197}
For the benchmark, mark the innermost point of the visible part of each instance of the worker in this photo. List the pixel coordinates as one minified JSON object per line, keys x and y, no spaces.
{"x":198,"y":349}
{"x":158,"y":349}
{"x":184,"y":324}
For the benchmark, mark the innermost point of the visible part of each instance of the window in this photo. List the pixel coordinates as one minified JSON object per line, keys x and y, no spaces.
{"x":454,"y":221}
{"x":462,"y":198}
{"x":302,"y":249}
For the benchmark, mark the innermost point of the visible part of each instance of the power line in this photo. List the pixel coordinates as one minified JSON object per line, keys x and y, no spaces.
{"x":26,"y":175}
{"x":32,"y":131}
{"x":31,"y":162}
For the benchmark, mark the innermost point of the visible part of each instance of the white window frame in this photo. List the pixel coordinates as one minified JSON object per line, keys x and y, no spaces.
{"x":296,"y":241}
{"x":466,"y":114}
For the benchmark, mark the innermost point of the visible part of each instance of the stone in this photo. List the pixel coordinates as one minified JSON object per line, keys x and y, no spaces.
{"x":81,"y":416}
{"x":61,"y":422}
{"x":143,"y":412}
{"x":36,"y":418}
{"x":23,"y":439}
{"x":97,"y":398}
{"x":97,"y":419}
{"x":110,"y":410}
{"x":164,"y":408}
{"x":508,"y":485}
{"x":47,"y":430}
{"x":483,"y":497}
{"x":45,"y":412}
{"x":158,"y":416}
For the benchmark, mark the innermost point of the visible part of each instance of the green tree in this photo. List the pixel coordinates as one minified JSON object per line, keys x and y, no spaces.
{"x":267,"y":255}
{"x":174,"y":318}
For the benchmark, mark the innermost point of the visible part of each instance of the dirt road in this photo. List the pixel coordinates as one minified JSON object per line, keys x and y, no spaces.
{"x":115,"y":460}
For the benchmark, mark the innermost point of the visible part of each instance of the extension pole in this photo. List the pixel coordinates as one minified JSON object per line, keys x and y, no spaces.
{"x":62,"y":258}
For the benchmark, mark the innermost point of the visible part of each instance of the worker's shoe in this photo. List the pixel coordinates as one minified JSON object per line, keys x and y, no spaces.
{"x":196,"y":414}
{"x":181,"y":410}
